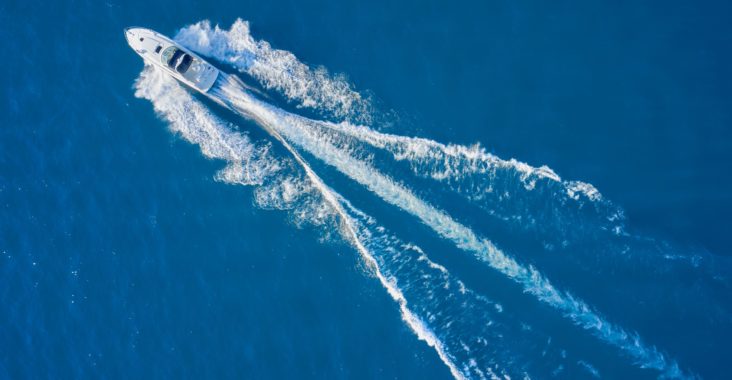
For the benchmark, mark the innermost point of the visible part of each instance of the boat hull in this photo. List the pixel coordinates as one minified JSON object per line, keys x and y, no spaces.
{"x":181,"y":63}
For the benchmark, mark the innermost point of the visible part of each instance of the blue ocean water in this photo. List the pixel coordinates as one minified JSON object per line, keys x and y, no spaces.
{"x":148,"y":231}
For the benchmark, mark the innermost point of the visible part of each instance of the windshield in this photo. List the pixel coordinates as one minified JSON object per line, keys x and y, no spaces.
{"x":177,"y":59}
{"x":185,"y":63}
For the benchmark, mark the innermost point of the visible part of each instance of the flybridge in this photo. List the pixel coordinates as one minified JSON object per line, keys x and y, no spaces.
{"x":180,"y":63}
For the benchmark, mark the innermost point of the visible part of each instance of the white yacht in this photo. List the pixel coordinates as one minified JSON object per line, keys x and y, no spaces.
{"x":178,"y":61}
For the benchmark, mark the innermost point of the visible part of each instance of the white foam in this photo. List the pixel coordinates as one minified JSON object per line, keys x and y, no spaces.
{"x":456,"y":161}
{"x":304,"y":133}
{"x":248,"y":164}
{"x":276,"y":69}
{"x":575,"y":188}
{"x":590,"y":368}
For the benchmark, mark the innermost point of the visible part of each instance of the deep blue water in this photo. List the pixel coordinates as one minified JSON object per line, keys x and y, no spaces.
{"x":122,"y":256}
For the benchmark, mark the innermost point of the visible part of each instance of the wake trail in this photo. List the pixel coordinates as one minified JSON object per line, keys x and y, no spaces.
{"x":569,"y":223}
{"x":464,"y":328}
{"x":303,"y":133}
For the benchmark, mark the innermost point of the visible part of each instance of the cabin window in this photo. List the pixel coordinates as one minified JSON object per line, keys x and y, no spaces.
{"x":176,"y":59}
{"x":167,"y":55}
{"x":157,"y":49}
{"x":185,"y":63}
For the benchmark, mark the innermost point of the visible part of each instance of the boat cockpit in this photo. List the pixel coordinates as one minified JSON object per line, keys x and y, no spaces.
{"x":177,"y":59}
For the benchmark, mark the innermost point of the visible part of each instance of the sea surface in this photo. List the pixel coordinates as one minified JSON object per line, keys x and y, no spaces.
{"x":370,"y":190}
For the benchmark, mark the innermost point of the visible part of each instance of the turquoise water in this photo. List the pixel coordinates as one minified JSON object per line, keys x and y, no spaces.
{"x":339,"y":221}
